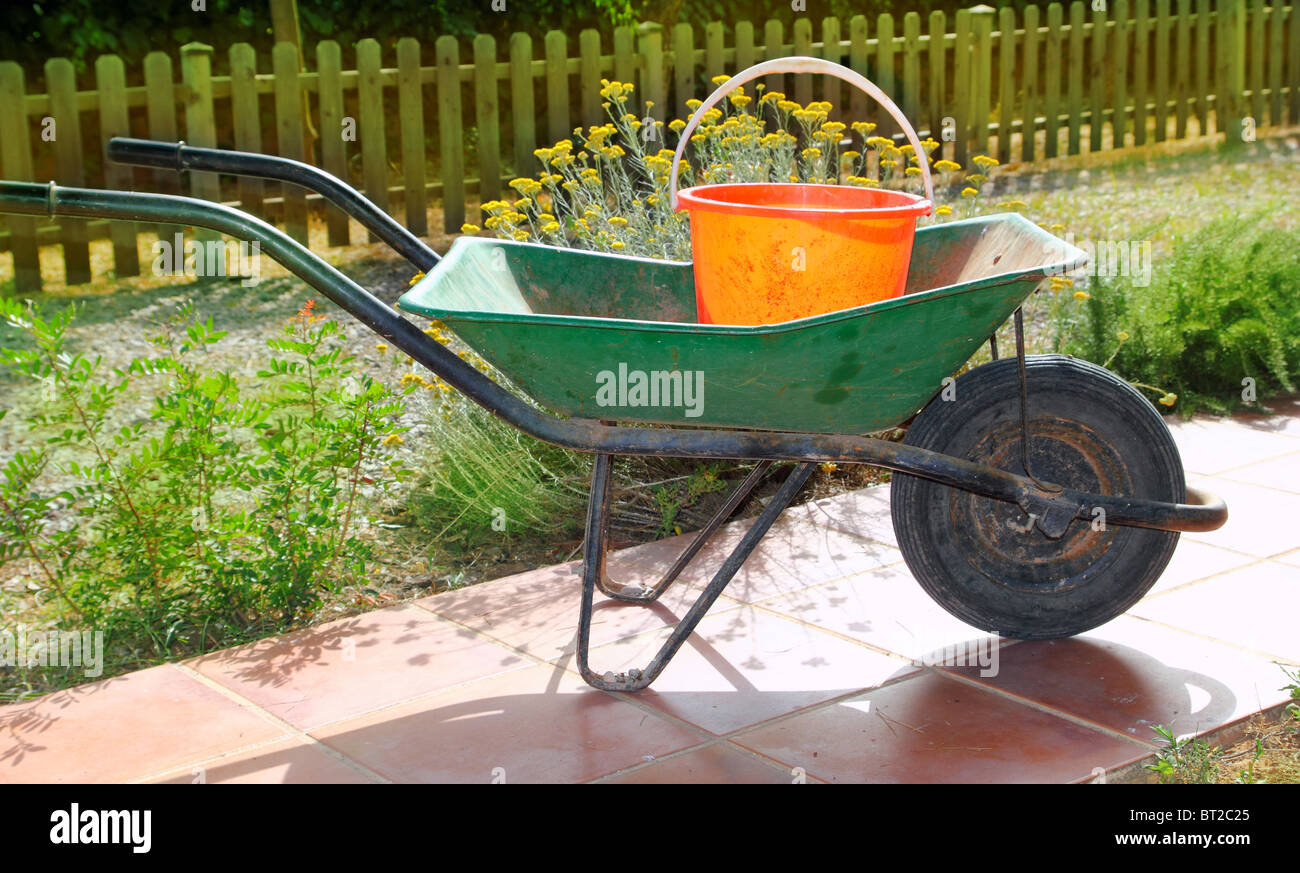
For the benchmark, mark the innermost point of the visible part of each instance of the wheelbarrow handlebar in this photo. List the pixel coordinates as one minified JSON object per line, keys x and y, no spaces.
{"x":27,"y":198}
{"x":179,"y":157}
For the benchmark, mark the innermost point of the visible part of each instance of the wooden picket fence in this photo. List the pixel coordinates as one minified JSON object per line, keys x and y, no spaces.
{"x":1024,"y":88}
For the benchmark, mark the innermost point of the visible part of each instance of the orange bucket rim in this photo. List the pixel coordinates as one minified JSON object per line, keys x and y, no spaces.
{"x":697,"y":198}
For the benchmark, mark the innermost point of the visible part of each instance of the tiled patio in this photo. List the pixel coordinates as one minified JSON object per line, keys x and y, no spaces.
{"x":818,"y":663}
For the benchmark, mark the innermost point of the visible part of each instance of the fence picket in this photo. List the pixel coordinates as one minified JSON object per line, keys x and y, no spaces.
{"x":451,"y":133}
{"x":1076,"y":62}
{"x":60,"y":78}
{"x":557,"y":86}
{"x":938,"y":80}
{"x":16,"y":165}
{"x":1119,"y":120}
{"x":486,"y":118}
{"x":246,"y":119}
{"x":1097,"y":73}
{"x":1052,"y":83}
{"x":333,"y":146}
{"x":160,"y":108}
{"x":410,"y":113}
{"x":374,"y":147}
{"x":774,"y":47}
{"x":683,"y":67}
{"x":1182,"y":68}
{"x":110,"y":79}
{"x":1275,"y":34}
{"x":858,"y":62}
{"x":1006,"y":80}
{"x":289,"y":134}
{"x":522,"y":104}
{"x":1141,"y":67}
{"x":589,"y":49}
{"x":1162,"y":70}
{"x":961,"y":106}
{"x":803,"y":39}
{"x":744,"y":45}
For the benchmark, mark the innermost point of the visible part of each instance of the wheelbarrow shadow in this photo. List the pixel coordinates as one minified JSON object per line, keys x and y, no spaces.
{"x":555,"y":729}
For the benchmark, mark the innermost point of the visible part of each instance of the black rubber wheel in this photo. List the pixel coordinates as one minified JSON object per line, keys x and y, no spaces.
{"x":1090,"y":430}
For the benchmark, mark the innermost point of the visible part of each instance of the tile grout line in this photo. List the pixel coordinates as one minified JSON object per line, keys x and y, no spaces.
{"x":1045,"y":708}
{"x":1183,"y":586}
{"x":1229,"y":643}
{"x":268,"y":716}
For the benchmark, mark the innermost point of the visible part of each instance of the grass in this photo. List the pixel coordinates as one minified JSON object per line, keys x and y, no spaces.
{"x":1268,"y":753}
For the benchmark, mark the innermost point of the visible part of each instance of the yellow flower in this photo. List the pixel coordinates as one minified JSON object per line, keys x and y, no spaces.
{"x":618,"y":221}
{"x":1013,"y":204}
{"x":694,"y":104}
{"x":718,"y":80}
{"x":943,"y":210}
{"x":616,"y":245}
{"x":382,"y":347}
{"x":392,"y":440}
{"x":946,"y":166}
{"x":676,"y":125}
{"x":417,"y":277}
{"x":1169,"y":399}
{"x":1082,"y":295}
{"x":470,"y":228}
{"x":828,"y":467}
{"x":984,"y":161}
{"x":913,"y":171}
{"x":977,"y":178}
{"x":968,"y":192}
{"x":1123,"y":336}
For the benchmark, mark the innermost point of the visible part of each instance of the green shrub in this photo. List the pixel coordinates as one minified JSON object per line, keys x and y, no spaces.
{"x":219,"y":515}
{"x":1222,"y":310}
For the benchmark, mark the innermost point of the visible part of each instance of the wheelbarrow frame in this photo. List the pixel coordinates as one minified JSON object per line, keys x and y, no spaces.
{"x":1053,"y":507}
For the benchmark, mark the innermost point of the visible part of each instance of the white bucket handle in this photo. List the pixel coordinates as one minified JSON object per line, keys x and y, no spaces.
{"x":800,"y":64}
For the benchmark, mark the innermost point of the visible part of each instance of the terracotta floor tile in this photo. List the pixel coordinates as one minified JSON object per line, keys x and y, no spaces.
{"x":864,"y":513}
{"x":887,"y":608}
{"x":541,"y":724}
{"x":718,"y":764}
{"x":537,"y":612}
{"x":352,"y":666}
{"x":1193,"y":561}
{"x":744,"y":666}
{"x":1281,"y":473}
{"x":793,"y":555}
{"x":1131,"y":674}
{"x":934,"y":729}
{"x":123,"y":728}
{"x":1254,"y":607}
{"x":1261,"y":521}
{"x":287,"y":762}
{"x":1213,"y":445}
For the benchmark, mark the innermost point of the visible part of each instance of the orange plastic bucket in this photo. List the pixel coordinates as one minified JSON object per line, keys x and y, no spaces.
{"x":767,"y":253}
{"x":770,"y":253}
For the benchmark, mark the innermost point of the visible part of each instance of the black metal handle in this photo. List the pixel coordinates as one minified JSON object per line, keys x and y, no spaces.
{"x":178,"y":156}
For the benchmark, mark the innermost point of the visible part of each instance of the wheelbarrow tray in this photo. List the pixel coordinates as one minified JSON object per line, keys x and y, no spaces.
{"x":574,"y":329}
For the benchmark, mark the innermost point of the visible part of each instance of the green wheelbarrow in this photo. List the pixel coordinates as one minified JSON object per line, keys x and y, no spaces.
{"x":1035,"y":497}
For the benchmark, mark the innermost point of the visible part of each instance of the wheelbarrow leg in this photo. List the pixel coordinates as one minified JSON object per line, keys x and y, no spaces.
{"x":601,"y":483}
{"x":593,"y":567}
